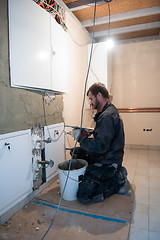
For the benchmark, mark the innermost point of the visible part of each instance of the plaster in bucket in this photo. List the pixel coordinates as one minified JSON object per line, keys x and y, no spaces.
{"x":77,"y":170}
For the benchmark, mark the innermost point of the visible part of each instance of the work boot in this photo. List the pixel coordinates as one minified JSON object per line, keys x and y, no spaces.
{"x":124,"y":183}
{"x":95,"y":199}
{"x":125,"y":188}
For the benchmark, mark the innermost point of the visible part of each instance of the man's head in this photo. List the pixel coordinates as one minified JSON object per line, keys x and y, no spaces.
{"x":98,"y":95}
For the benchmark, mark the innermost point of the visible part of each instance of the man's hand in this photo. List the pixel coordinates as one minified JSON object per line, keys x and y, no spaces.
{"x":76,"y":133}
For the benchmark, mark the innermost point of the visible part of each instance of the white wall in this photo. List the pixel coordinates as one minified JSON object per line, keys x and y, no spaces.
{"x":136,"y":84}
{"x":133,"y":81}
{"x":78,"y":63}
{"x":79,"y":53}
{"x":98,"y":67}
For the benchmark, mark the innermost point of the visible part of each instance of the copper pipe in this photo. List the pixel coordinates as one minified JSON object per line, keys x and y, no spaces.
{"x":137,"y":110}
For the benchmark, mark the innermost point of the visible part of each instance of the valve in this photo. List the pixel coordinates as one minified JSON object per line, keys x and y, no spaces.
{"x":50,"y":163}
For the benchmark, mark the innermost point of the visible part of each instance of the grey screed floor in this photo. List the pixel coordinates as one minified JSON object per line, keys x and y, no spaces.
{"x":143,"y":172}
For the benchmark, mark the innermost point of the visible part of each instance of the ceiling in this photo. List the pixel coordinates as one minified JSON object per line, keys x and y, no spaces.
{"x":128,"y":19}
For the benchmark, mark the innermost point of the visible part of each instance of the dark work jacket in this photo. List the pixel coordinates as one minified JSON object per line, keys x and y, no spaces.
{"x":108,"y":141}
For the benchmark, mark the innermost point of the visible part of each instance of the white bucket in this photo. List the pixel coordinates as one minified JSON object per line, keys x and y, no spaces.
{"x":77,"y":170}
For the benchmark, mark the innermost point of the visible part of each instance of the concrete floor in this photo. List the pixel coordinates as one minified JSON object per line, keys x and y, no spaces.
{"x":143,"y":168}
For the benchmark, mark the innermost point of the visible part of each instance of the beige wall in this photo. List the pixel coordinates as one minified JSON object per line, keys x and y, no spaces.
{"x":136,"y":83}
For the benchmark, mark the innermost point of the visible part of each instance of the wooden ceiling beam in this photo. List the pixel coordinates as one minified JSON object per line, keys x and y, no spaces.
{"x":80,"y":7}
{"x":145,"y":35}
{"x":116,"y":7}
{"x":81,"y":3}
{"x":127,"y":17}
{"x":122,"y":30}
{"x":123,"y":16}
{"x":125,"y":23}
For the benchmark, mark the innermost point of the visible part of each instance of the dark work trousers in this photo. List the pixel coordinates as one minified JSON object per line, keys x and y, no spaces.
{"x":100,"y":180}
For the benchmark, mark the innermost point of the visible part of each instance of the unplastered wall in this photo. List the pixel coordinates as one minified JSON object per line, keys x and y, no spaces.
{"x":136,"y":84}
{"x":20,"y":109}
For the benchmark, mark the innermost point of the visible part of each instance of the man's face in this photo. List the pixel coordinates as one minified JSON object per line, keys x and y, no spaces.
{"x":93,"y":100}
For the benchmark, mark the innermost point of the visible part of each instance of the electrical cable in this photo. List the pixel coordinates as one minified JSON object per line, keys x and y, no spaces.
{"x":63,"y":131}
{"x":49,"y":6}
{"x":109,"y":24}
{"x":78,"y":44}
{"x":53,"y":140}
{"x":62,"y":120}
{"x":55,"y":106}
{"x":80,"y":128}
{"x":88,"y":66}
{"x":91,"y":66}
{"x":69,"y":164}
{"x":45,"y":120}
{"x":57,"y":209}
{"x":108,"y":1}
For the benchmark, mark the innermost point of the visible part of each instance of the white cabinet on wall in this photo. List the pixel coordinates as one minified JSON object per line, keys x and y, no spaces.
{"x":37,"y":48}
{"x":59,"y":45}
{"x":55,"y":150}
{"x":16,"y":179}
{"x":29,"y":41}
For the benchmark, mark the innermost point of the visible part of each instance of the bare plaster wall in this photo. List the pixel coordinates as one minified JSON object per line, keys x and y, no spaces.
{"x":20,"y":109}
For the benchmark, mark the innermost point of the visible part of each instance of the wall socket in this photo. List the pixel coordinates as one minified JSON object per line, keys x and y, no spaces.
{"x":147,"y":129}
